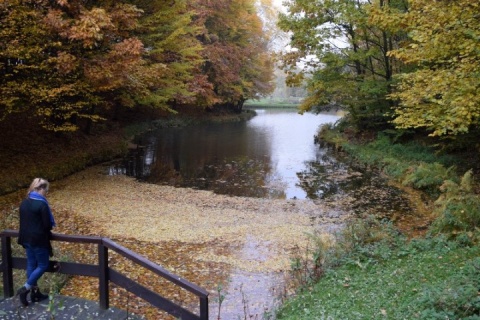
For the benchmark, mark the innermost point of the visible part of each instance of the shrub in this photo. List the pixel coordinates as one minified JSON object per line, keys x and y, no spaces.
{"x":327,"y":134}
{"x":458,"y":207}
{"x":307,"y":269}
{"x":429,"y":177}
{"x":365,"y":241}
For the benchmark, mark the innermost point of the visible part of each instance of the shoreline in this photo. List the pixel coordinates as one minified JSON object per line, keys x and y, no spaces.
{"x":38,"y":153}
{"x":209,"y":239}
{"x":243,"y":244}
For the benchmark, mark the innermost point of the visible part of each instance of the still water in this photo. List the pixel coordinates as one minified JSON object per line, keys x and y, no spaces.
{"x":266,"y":156}
{"x":273,"y":155}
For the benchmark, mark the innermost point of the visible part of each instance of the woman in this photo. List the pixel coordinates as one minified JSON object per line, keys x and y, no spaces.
{"x":36,"y":223}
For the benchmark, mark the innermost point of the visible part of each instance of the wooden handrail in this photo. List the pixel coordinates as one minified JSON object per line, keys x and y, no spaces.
{"x":105,"y":274}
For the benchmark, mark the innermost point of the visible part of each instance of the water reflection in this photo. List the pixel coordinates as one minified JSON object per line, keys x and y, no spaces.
{"x":328,"y":175}
{"x":263,"y":157}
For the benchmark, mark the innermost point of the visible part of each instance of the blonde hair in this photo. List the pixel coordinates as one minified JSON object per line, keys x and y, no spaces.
{"x":37,"y":184}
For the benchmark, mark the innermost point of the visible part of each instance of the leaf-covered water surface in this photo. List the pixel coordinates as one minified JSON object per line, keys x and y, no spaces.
{"x":237,"y":248}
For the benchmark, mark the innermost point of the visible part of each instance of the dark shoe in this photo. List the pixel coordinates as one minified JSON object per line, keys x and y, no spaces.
{"x":22,"y":294}
{"x":36,"y":295}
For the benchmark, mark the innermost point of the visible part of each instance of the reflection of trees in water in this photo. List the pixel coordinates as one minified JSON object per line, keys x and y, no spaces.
{"x":220,"y":158}
{"x":323,"y":177}
{"x":330,"y":175}
{"x":166,"y":172}
{"x":132,"y":165}
{"x":244,"y":177}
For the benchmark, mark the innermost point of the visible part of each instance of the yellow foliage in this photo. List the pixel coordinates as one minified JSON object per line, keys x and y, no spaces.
{"x":91,"y":26}
{"x":443,"y":93}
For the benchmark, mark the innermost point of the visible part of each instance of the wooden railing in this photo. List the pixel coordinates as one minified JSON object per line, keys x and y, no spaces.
{"x":106,"y":274}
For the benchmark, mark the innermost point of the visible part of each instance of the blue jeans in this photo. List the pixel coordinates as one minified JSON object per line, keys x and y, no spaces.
{"x":37,"y":263}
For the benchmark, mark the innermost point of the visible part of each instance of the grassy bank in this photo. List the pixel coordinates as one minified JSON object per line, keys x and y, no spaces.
{"x":271,"y":104}
{"x":430,"y":278}
{"x":374,"y":272}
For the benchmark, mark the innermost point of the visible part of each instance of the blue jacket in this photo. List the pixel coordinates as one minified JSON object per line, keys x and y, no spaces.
{"x":35,"y":224}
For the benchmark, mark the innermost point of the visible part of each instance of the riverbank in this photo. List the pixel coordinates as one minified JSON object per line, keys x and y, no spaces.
{"x":243,"y":245}
{"x":375,"y":272}
{"x":428,"y":278}
{"x":28,"y":151}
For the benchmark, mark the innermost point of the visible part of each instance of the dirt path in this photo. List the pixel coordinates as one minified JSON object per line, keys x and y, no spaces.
{"x":238,"y":247}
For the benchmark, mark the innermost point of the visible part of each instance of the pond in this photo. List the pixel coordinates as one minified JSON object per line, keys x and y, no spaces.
{"x":267,"y":157}
{"x":274,"y":186}
{"x":271,"y":156}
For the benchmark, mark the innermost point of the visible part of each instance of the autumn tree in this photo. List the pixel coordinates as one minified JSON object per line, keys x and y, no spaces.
{"x":101,"y":50}
{"x":442,"y":93}
{"x":73,"y":61}
{"x":69,"y":63}
{"x":173,"y":53}
{"x":237,"y":60}
{"x":344,"y":58}
{"x":29,"y":81}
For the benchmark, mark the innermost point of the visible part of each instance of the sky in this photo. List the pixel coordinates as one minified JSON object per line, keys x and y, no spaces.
{"x":278,"y":3}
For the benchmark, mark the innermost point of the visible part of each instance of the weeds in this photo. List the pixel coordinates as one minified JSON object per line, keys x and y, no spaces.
{"x":221,"y":298}
{"x":429,"y":177}
{"x":55,"y":303}
{"x":389,"y":277}
{"x":306,"y":268}
{"x":458,"y":208}
{"x":365,"y":241}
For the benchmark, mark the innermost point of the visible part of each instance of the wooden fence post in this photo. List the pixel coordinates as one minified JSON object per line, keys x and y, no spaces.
{"x":7,"y":266}
{"x":103,"y":276}
{"x":204,"y":308}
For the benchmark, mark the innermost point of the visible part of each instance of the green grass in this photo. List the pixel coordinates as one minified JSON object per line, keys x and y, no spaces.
{"x":267,"y":103}
{"x":424,"y":279}
{"x":374,"y":273}
{"x":382,"y":149}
